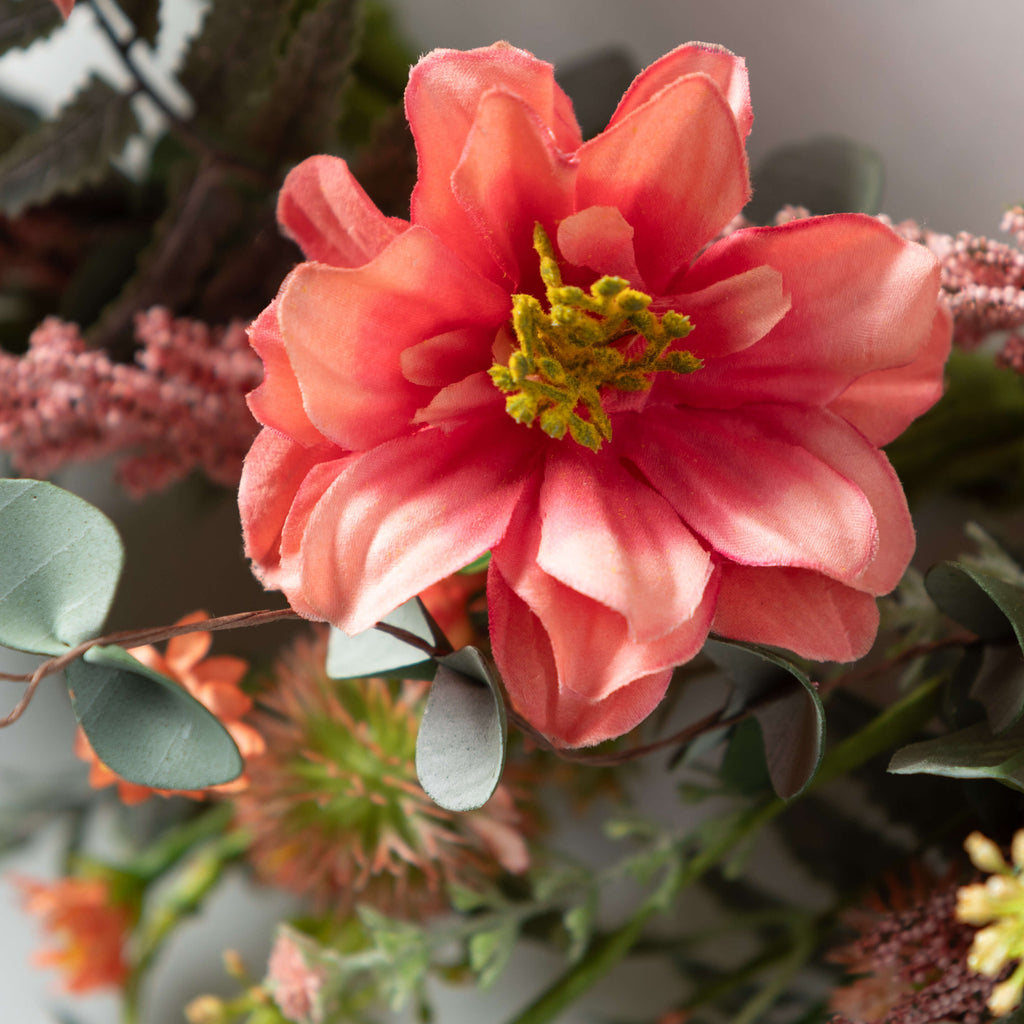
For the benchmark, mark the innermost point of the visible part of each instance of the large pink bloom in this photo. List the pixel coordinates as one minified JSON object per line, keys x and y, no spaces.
{"x":748,"y":497}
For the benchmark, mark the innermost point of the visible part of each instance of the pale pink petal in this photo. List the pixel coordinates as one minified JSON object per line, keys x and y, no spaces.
{"x":511,"y":177}
{"x":806,"y":613}
{"x":676,"y":169}
{"x":600,"y":239}
{"x":272,"y":474}
{"x":732,"y":314}
{"x":591,"y":643}
{"x":755,"y":499}
{"x":725,"y":69}
{"x":406,"y":514}
{"x":853,"y":456}
{"x":325,"y":210}
{"x":277,"y":401}
{"x":441,"y":101}
{"x":346,"y":329}
{"x":462,"y":401}
{"x":448,"y":357}
{"x":523,"y":650}
{"x":884,"y":403}
{"x":862,"y":299}
{"x":615,"y":540}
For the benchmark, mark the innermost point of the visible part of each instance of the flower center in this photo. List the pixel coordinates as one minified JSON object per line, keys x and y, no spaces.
{"x":568,"y":354}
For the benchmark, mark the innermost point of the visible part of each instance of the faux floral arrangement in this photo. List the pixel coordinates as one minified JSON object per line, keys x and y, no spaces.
{"x":563,"y":460}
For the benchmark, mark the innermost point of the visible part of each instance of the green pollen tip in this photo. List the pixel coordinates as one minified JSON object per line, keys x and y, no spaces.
{"x":569,"y":354}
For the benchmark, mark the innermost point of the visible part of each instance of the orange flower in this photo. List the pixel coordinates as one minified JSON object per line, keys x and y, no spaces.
{"x":449,"y":600}
{"x":214,"y":682}
{"x":88,"y":926}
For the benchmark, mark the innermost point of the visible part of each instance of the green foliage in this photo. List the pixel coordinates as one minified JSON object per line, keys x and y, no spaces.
{"x":461,"y":746}
{"x":69,"y":152}
{"x":24,"y":21}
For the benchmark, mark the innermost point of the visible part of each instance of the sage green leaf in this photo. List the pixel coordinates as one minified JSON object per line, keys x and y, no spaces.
{"x":147,"y":728}
{"x":60,"y":560}
{"x":985,"y":604}
{"x":971,"y":753}
{"x":827,"y":174}
{"x":460,"y":749}
{"x":791,"y":717}
{"x":24,"y":21}
{"x":69,"y":152}
{"x":374,"y":652}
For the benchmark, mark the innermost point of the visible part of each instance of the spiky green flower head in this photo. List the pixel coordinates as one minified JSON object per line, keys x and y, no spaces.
{"x":568,"y":355}
{"x":334,"y":807}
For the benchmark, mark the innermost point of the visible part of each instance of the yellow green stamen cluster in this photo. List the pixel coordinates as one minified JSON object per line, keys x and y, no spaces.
{"x":998,"y":903}
{"x":568,"y":354}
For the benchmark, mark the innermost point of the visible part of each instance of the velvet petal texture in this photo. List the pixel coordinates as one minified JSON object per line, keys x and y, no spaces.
{"x":748,"y":496}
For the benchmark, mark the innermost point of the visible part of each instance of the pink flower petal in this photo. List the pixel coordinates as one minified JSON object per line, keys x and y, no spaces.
{"x":884,"y":403}
{"x":801,"y":611}
{"x":346,"y":329}
{"x":676,"y":169}
{"x":756,"y":499}
{"x":325,"y":210}
{"x":600,"y":239}
{"x":511,"y":177}
{"x":609,"y":537}
{"x":849,"y":453}
{"x":462,"y":401}
{"x":406,"y":514}
{"x":441,"y":101}
{"x":725,"y":69}
{"x":277,"y":401}
{"x":535,"y":687}
{"x":862,"y":299}
{"x":444,"y":358}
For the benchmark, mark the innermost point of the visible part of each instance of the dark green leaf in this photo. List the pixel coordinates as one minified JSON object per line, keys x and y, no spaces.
{"x":986,"y":605}
{"x":972,"y":753}
{"x":60,"y":560}
{"x":376,"y":653}
{"x":24,"y":21}
{"x":791,"y":717}
{"x":145,"y":16}
{"x":304,"y":105}
{"x":827,"y":174}
{"x":69,"y":152}
{"x":460,"y":749}
{"x":147,"y":728}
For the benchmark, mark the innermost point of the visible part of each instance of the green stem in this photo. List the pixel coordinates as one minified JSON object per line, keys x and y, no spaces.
{"x":892,"y":727}
{"x":159,"y":858}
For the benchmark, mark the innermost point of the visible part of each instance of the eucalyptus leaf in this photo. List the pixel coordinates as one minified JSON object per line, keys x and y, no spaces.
{"x":145,"y":727}
{"x":971,"y":753}
{"x":791,"y":717}
{"x":60,"y":560}
{"x":71,"y":151}
{"x":461,"y":746}
{"x":985,"y":604}
{"x":827,"y":174}
{"x":374,"y":652}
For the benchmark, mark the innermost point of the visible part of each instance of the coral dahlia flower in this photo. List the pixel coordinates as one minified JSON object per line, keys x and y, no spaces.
{"x":654,"y":432}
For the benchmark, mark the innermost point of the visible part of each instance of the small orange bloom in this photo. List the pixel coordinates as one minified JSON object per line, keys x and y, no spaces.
{"x":88,"y":927}
{"x":449,"y":600}
{"x":214,"y":682}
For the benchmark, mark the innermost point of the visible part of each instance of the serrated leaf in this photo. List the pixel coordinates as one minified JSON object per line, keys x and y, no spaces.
{"x":145,"y":16}
{"x":304,"y":103}
{"x":489,"y":952}
{"x":374,"y":652}
{"x":792,"y":724}
{"x":24,"y":21}
{"x":827,"y":174}
{"x":69,"y":152}
{"x":147,"y":728}
{"x":461,"y":745}
{"x":60,"y":561}
{"x":972,"y":753}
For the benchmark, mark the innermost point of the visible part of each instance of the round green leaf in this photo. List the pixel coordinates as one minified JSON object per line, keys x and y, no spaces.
{"x":986,"y":605}
{"x":60,"y":560}
{"x":791,"y":717}
{"x":460,"y":749}
{"x":374,"y":652}
{"x":147,"y":728}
